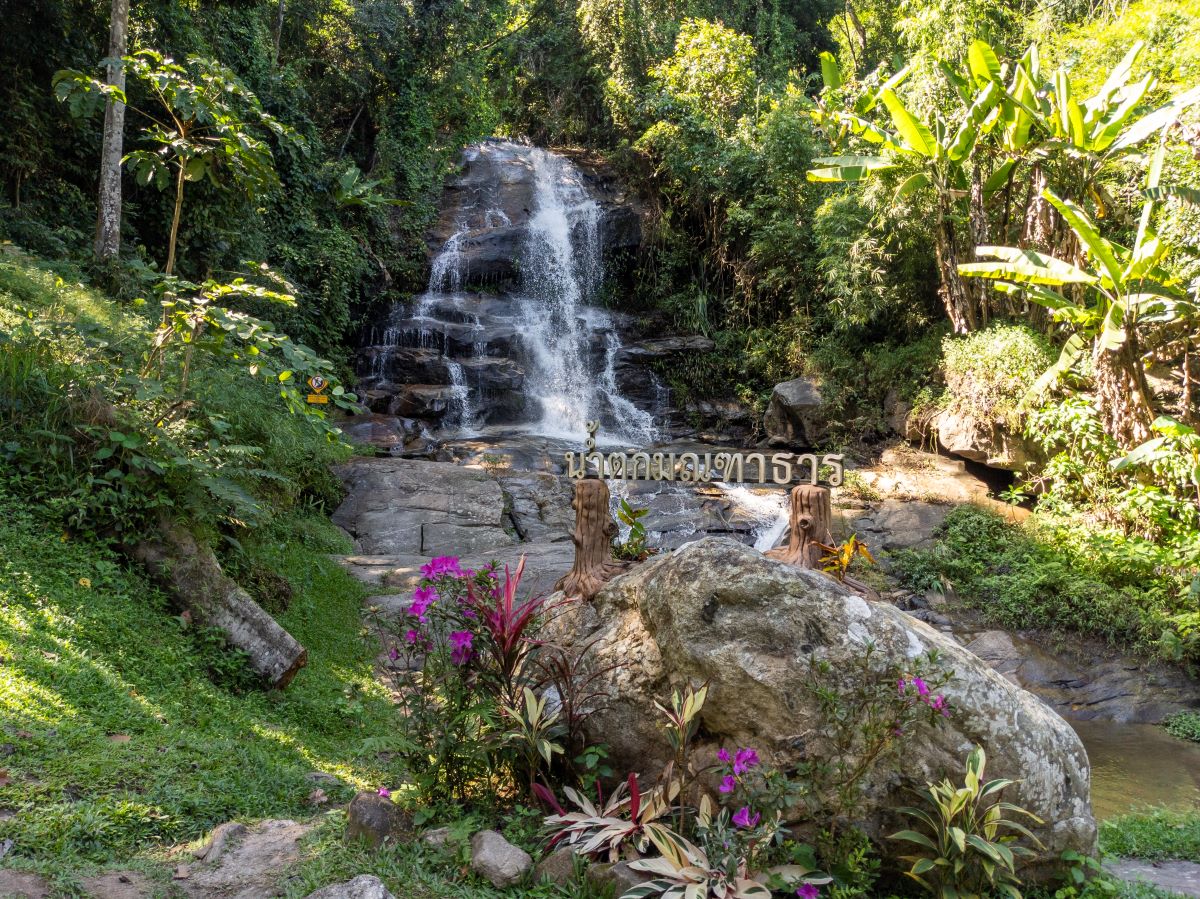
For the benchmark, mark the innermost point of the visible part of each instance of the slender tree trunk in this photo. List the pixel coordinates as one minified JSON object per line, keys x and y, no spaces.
{"x":179,"y":182}
{"x":979,"y":238}
{"x":1190,"y":413}
{"x":1123,"y":394}
{"x":108,"y":217}
{"x":278,"y":33}
{"x":955,"y":296}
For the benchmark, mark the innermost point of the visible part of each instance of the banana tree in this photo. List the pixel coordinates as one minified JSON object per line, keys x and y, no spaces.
{"x":1126,"y":290}
{"x":938,"y":155}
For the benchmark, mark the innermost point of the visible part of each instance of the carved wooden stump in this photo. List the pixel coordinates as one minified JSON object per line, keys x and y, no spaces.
{"x":811,"y":516}
{"x":594,"y":530}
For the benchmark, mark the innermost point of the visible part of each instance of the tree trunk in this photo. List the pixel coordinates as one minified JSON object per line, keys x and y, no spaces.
{"x":278,"y":36}
{"x":174,"y":235}
{"x":979,"y":237}
{"x":955,"y":295}
{"x":190,"y":571}
{"x":1123,"y":394}
{"x":594,"y":530}
{"x":108,"y":216}
{"x":810,"y":517}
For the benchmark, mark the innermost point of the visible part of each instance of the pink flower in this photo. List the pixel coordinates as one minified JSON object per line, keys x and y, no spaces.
{"x":385,"y":792}
{"x":728,"y":784}
{"x":441,"y":565}
{"x":411,"y":635}
{"x":901,"y":684}
{"x":744,"y":819}
{"x":723,"y":754}
{"x":938,"y":703}
{"x":423,"y":598}
{"x":393,"y":653}
{"x":744,"y":760}
{"x":922,"y":687}
{"x":461,"y":641}
{"x":808,"y":891}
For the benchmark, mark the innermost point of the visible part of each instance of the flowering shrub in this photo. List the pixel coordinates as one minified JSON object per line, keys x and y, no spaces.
{"x":868,"y":711}
{"x":473,"y":721}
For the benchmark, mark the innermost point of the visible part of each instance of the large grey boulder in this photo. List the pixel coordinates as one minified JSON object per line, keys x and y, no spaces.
{"x":718,"y":611}
{"x":498,"y":860}
{"x":793,"y":417}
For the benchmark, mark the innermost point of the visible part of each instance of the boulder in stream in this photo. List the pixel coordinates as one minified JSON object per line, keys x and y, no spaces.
{"x":718,"y":611}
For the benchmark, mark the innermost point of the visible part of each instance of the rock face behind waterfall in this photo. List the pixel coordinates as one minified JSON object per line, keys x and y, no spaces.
{"x":490,"y":203}
{"x":509,"y":331}
{"x":717,"y":611}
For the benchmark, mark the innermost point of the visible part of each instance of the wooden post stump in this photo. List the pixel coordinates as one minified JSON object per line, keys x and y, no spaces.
{"x":594,"y":530}
{"x":811,"y":515}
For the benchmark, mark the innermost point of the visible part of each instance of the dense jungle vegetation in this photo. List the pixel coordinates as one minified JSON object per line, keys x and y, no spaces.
{"x":984,"y":206}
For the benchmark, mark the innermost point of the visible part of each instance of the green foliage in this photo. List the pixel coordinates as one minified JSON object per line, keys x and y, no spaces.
{"x":108,"y":418}
{"x":1057,"y":574}
{"x":967,"y":847}
{"x":710,"y":74}
{"x":634,"y":545}
{"x":988,"y":373}
{"x":1184,"y":725}
{"x":1159,"y":834}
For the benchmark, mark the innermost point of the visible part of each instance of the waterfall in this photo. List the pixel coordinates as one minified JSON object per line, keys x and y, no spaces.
{"x":535,"y":355}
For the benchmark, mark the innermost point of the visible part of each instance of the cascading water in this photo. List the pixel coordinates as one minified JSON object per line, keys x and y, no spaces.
{"x":562,"y":270}
{"x":534,"y":356}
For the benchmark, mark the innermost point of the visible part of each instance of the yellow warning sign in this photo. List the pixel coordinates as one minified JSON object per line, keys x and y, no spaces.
{"x":317,"y":384}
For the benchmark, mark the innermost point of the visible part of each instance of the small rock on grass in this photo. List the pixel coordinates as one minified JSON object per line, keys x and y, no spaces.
{"x":438,"y":837}
{"x":374,"y":819}
{"x":621,"y":876}
{"x":558,"y":867}
{"x":364,"y":886}
{"x":118,"y":885}
{"x":498,"y":860}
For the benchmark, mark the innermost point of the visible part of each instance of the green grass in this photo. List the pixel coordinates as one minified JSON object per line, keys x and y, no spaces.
{"x":1155,"y":835}
{"x":91,"y":654}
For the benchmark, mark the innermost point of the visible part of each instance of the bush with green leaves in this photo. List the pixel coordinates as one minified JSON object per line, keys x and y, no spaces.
{"x":967,"y":845}
{"x":1184,"y":725}
{"x":988,"y":373}
{"x":109,"y":416}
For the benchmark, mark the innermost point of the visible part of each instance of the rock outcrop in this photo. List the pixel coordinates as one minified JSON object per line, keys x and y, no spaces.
{"x":717,"y":611}
{"x":988,"y":442}
{"x":793,"y":417}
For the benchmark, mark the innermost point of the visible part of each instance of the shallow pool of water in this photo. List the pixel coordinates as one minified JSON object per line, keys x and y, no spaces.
{"x":1136,"y":766}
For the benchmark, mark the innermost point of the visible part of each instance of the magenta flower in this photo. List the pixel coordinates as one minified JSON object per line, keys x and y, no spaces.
{"x":393,"y":653}
{"x":900,"y":685}
{"x":728,"y":784}
{"x":723,"y":754}
{"x":808,"y":891}
{"x":423,"y":598}
{"x":744,"y":760}
{"x":385,"y":792}
{"x":441,"y":565}
{"x":461,"y":643}
{"x":744,"y":819}
{"x":938,"y":703}
{"x":922,"y":687}
{"x":411,"y":635}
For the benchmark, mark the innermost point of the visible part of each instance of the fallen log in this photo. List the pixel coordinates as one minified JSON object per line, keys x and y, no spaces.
{"x":188,"y":569}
